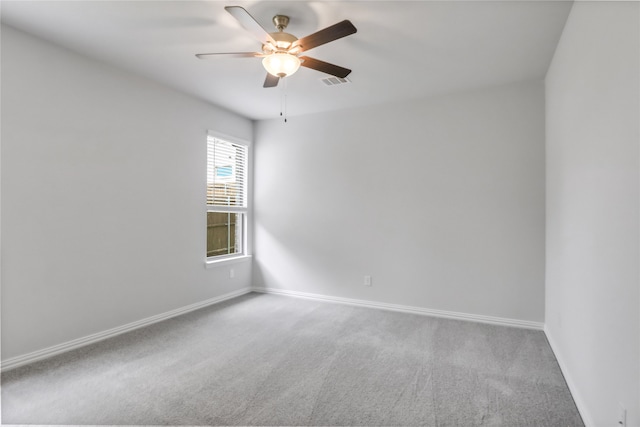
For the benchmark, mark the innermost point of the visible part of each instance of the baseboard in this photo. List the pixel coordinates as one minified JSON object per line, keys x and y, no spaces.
{"x":408,"y":309}
{"x":575,"y":393}
{"x":25,"y":359}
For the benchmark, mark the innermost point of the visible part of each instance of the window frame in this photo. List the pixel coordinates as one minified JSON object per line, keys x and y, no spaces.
{"x":245,"y":210}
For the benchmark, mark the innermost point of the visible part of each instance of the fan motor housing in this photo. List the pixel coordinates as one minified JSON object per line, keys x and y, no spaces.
{"x":283,"y":41}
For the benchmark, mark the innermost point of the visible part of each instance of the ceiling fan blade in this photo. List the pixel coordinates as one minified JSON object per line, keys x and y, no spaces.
{"x":250,"y":24}
{"x":329,"y":34}
{"x":229,"y":55}
{"x":271,"y":80}
{"x":325,"y":67}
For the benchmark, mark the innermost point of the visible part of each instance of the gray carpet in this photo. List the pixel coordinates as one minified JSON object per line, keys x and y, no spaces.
{"x":274,"y":360}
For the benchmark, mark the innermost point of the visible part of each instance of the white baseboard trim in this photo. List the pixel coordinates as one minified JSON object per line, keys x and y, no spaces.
{"x":564,"y":367}
{"x":25,"y":359}
{"x":408,"y":309}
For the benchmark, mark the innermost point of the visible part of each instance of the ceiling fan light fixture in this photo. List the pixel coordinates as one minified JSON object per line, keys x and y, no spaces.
{"x":281,"y":64}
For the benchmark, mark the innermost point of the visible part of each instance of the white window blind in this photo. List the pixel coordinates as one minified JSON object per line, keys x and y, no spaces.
{"x":226,"y":173}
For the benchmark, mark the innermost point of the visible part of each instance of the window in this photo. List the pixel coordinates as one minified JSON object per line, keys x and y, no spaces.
{"x":226,"y":198}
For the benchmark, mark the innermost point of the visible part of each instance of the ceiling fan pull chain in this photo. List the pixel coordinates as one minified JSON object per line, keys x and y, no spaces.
{"x":281,"y":99}
{"x":284,"y":91}
{"x":285,"y":108}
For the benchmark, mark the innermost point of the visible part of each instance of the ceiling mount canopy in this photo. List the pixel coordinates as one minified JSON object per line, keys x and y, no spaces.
{"x":281,"y":51}
{"x":281,"y":22}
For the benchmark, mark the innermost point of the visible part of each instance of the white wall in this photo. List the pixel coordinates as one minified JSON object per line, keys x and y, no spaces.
{"x":103,"y":188}
{"x":440,"y":200}
{"x":592,"y":120}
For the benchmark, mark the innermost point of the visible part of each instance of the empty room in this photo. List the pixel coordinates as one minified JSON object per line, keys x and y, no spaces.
{"x":311,"y":213}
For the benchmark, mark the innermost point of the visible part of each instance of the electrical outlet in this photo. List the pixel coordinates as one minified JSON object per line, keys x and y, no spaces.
{"x":367,"y":280}
{"x":622,"y":415}
{"x":232,"y":273}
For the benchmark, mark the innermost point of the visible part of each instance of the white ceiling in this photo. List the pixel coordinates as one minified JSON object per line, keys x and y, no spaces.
{"x":402,"y":50}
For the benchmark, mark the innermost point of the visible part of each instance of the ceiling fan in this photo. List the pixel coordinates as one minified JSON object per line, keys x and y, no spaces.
{"x":281,"y":51}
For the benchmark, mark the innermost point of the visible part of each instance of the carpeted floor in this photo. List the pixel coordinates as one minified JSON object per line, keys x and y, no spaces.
{"x":275,"y":360}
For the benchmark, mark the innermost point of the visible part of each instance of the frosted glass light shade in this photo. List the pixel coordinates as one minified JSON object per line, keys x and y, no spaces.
{"x":281,"y":64}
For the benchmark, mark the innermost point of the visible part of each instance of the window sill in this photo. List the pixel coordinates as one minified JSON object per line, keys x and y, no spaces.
{"x":212,"y":263}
